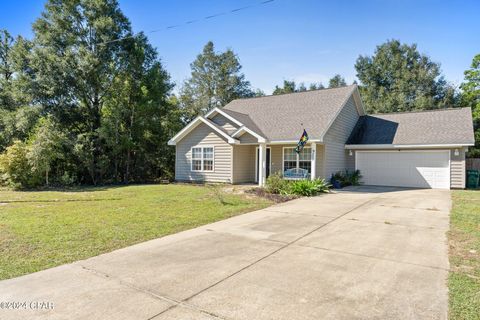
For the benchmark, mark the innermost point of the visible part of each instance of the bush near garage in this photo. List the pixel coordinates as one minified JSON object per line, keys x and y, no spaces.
{"x":346,"y":178}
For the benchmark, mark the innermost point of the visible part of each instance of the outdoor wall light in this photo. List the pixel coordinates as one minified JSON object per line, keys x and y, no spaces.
{"x":457,"y":153}
{"x":350,"y":153}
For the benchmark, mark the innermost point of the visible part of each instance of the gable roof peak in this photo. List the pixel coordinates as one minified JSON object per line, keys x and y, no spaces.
{"x":283,"y":117}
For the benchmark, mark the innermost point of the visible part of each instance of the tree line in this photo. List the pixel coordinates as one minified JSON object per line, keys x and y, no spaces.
{"x":79,"y":108}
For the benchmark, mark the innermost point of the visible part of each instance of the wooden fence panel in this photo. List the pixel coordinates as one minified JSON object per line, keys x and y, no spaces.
{"x":473,"y":164}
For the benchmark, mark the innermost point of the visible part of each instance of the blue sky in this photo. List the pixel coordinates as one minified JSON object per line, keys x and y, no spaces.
{"x":304,"y":40}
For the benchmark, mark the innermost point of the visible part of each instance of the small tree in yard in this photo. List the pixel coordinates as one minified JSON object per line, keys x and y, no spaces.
{"x":46,"y":147}
{"x":471,"y":98}
{"x":15,"y":169}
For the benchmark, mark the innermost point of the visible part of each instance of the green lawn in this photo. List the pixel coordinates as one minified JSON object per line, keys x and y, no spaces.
{"x":42,"y":229}
{"x":464,"y":240}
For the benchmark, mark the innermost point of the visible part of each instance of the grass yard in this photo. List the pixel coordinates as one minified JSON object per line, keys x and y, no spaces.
{"x":43,"y":229}
{"x":464,"y":240}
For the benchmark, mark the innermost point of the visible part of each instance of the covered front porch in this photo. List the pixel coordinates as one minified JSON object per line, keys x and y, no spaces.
{"x":253,"y":163}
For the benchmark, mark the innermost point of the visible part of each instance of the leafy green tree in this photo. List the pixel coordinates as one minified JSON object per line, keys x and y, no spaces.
{"x":140,"y":118}
{"x":399,"y":78}
{"x":290,"y":86}
{"x":17,"y":114}
{"x":216,"y":79}
{"x":316,"y":86}
{"x":17,"y":124}
{"x":47,"y":146}
{"x":471,"y":98}
{"x":259,"y":93}
{"x":6,"y":71}
{"x":301,"y":87}
{"x":106,"y":107}
{"x":74,"y":69}
{"x":337,"y":81}
{"x":15,"y":169}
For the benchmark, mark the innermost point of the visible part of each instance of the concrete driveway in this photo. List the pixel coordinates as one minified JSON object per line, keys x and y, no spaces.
{"x":362,"y":253}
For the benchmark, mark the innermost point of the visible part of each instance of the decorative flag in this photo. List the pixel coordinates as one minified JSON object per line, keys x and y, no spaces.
{"x":302,"y":142}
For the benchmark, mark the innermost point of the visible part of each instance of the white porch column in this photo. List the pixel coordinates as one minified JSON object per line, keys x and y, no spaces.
{"x":262,"y":170}
{"x":313,"y":170}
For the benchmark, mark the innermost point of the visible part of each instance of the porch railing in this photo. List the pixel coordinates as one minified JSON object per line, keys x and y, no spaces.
{"x":296,"y":174}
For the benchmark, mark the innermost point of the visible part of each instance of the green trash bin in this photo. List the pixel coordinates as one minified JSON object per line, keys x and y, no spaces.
{"x":472,"y":179}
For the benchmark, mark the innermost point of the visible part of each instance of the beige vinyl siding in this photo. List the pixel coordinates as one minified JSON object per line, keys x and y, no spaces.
{"x":203,"y":136}
{"x":350,"y":160}
{"x":243,"y":163}
{"x":337,"y":135}
{"x":276,"y":154}
{"x":457,"y":169}
{"x":277,"y":157}
{"x":247,"y":138}
{"x":321,"y":161}
{"x":225,"y":123}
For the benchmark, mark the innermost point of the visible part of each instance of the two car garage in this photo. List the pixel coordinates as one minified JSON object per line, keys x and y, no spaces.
{"x":413,"y":149}
{"x":405,"y":168}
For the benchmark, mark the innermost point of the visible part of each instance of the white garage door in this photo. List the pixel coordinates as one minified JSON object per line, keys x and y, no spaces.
{"x":420,"y":169}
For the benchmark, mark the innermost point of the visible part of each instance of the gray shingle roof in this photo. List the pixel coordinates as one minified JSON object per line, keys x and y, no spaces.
{"x":246,"y":120}
{"x":280,"y":117}
{"x":217,"y":126}
{"x":446,"y":126}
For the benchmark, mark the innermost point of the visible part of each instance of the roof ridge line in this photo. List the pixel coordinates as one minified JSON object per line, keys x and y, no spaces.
{"x":298,"y":92}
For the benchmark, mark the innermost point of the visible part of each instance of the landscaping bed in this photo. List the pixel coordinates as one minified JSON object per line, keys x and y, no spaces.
{"x":280,"y":189}
{"x":275,"y":197}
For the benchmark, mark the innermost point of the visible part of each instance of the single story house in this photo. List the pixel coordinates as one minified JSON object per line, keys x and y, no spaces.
{"x":248,"y":139}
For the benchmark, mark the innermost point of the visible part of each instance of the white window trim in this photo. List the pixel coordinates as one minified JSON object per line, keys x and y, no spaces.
{"x":201,"y":147}
{"x":298,"y":159}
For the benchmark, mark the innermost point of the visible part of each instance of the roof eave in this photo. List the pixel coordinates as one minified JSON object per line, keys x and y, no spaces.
{"x":406,"y":146}
{"x":244,"y":129}
{"x":359,"y":102}
{"x":293,"y":141}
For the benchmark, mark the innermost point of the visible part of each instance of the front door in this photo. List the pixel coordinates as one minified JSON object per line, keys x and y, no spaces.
{"x":267,"y":161}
